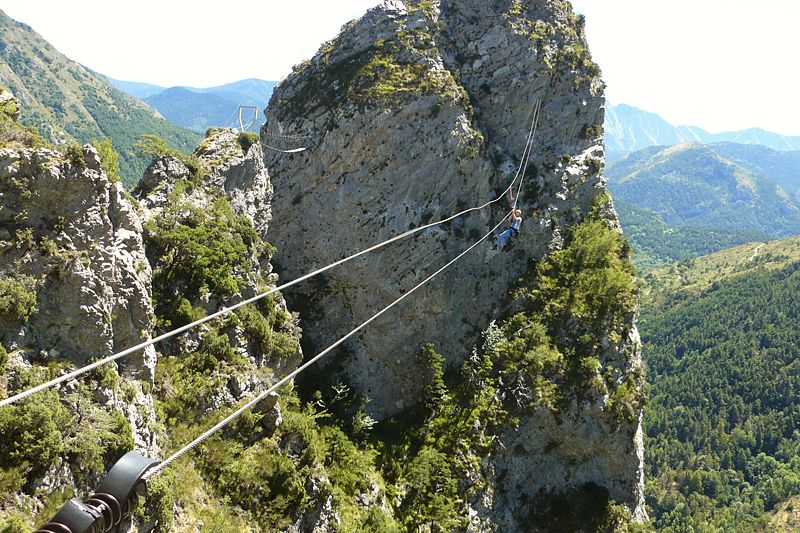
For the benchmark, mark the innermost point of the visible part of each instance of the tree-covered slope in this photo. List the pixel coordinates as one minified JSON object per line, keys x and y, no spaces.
{"x":721,"y":339}
{"x":782,"y":167}
{"x":692,"y":185}
{"x":66,"y":101}
{"x":656,"y":244}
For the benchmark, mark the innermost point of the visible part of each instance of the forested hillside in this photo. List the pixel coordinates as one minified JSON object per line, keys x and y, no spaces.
{"x":693,"y":185}
{"x":67,"y":102}
{"x":721,"y":340}
{"x":656,"y":244}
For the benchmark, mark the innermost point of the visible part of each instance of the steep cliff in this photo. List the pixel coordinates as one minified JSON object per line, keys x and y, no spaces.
{"x":506,"y":396}
{"x":412,"y":113}
{"x":74,"y":286}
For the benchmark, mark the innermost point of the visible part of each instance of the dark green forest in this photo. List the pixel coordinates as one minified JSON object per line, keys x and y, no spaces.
{"x":722,"y":434}
{"x":656,"y":244}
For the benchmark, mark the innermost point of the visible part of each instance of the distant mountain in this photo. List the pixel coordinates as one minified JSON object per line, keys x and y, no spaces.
{"x":199,"y":108}
{"x":66,"y":101}
{"x":694,"y":185}
{"x":781,"y":167}
{"x":192,"y":110}
{"x":628,"y":129}
{"x":135,"y":88}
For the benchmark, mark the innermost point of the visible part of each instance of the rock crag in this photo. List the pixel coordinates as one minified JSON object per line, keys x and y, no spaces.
{"x":414,"y":112}
{"x":75,"y":286}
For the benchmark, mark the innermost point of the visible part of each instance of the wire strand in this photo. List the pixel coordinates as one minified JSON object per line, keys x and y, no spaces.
{"x":529,"y":149}
{"x":83,"y":370}
{"x":230,"y":418}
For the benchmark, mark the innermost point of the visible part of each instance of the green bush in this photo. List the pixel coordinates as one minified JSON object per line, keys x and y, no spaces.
{"x":247,"y":139}
{"x":433,"y":375}
{"x":99,"y":444}
{"x":201,"y":251}
{"x":213,"y":350}
{"x":154,"y":146}
{"x":16,"y":524}
{"x":161,"y":500}
{"x":260,"y":330}
{"x":3,"y":359}
{"x":109,"y":158}
{"x":17,"y":298}
{"x":74,"y":153}
{"x":20,"y":137}
{"x":32,"y":432}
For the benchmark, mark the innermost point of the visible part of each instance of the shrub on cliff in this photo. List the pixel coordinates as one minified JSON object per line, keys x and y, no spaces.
{"x":154,"y":146}
{"x":17,"y":298}
{"x":109,"y":158}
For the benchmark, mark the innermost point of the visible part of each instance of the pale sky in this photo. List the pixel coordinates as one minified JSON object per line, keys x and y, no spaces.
{"x":717,"y":64}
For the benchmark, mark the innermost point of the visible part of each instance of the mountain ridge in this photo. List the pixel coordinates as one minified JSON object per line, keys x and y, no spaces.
{"x":628,"y":129}
{"x":199,"y":108}
{"x":68,"y":102}
{"x":691,"y":184}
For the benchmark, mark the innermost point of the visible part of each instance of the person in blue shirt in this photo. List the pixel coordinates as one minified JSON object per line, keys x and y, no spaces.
{"x":515,"y":218}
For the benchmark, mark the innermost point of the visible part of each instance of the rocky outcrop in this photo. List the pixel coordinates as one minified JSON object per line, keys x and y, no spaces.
{"x":414,"y":112}
{"x":78,"y":235}
{"x":233,"y":170}
{"x":448,"y":134}
{"x":76,"y":287}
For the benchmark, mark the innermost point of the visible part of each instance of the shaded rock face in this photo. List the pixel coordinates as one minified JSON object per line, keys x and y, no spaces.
{"x":551,"y":453}
{"x":415,"y":112}
{"x":64,"y":224}
{"x":445,"y":132}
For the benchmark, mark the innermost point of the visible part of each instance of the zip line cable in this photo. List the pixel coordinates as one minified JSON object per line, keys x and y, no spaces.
{"x":83,"y":370}
{"x":199,"y":440}
{"x":529,"y":150}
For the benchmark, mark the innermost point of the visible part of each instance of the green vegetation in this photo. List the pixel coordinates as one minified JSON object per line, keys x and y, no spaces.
{"x":419,"y":467}
{"x":109,"y":158}
{"x":246,"y":139}
{"x":720,"y":339}
{"x":13,"y":134}
{"x":201,"y":252}
{"x":3,"y":359}
{"x":17,"y":298}
{"x":656,"y":244}
{"x":74,"y":153}
{"x":66,"y":102}
{"x":153,"y":146}
{"x":40,"y":430}
{"x":693,"y":186}
{"x":383,"y":75}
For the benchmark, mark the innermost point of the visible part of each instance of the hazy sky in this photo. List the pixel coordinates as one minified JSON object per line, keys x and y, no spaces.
{"x":717,"y":64}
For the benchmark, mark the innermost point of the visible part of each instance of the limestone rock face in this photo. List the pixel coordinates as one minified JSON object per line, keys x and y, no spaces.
{"x":234,"y":171}
{"x":74,"y":239}
{"x":237,"y":168}
{"x":77,"y":234}
{"x":413,"y":113}
{"x":446,"y":132}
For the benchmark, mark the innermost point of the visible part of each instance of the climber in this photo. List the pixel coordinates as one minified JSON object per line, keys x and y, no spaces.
{"x":515,"y":218}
